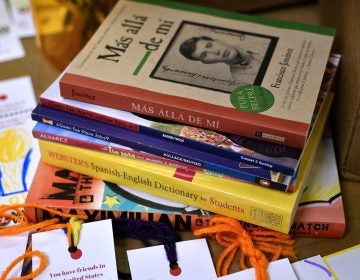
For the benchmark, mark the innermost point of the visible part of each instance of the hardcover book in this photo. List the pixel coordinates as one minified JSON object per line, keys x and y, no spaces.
{"x":19,"y":151}
{"x":320,"y":213}
{"x":240,"y":200}
{"x":156,"y":146}
{"x":218,"y":70}
{"x":72,"y":192}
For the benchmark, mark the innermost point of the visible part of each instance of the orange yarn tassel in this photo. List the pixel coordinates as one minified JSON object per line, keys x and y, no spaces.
{"x":23,"y":224}
{"x":255,"y":248}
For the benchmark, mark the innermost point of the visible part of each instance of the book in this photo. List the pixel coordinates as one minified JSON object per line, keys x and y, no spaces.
{"x":273,"y":77}
{"x":156,"y":146}
{"x":19,"y":152}
{"x":275,"y":157}
{"x":320,"y":213}
{"x":58,"y":135}
{"x":321,"y":210}
{"x":76,"y":193}
{"x":240,"y":200}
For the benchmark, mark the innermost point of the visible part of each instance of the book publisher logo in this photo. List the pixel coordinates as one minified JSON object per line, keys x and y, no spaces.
{"x":252,"y":98}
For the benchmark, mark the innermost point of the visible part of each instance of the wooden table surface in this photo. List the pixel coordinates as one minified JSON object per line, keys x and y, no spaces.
{"x":43,"y":73}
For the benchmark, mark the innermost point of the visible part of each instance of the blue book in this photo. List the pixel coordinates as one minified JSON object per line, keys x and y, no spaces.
{"x":157,"y":146}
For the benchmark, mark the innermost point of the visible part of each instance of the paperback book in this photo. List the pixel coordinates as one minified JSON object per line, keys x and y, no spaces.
{"x":213,"y":69}
{"x":58,"y":135}
{"x":156,"y":146}
{"x":244,"y":201}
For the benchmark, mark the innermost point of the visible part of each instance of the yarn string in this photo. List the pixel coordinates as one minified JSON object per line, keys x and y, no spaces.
{"x":16,"y":213}
{"x":146,"y":231}
{"x":34,"y":273}
{"x":73,"y":233}
{"x":255,"y":248}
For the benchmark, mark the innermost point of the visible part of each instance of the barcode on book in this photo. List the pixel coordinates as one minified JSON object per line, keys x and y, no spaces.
{"x":270,"y":136}
{"x":266,"y":217}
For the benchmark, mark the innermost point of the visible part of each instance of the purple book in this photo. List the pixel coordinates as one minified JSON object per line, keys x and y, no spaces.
{"x":141,"y":142}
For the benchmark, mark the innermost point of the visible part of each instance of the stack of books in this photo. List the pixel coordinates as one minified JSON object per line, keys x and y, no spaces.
{"x":205,"y":110}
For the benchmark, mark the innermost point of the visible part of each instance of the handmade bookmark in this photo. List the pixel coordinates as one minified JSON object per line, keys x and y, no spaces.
{"x":194,"y":262}
{"x":90,"y":254}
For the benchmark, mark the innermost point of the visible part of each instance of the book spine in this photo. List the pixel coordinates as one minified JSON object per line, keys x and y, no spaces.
{"x":187,"y":222}
{"x":90,"y":114}
{"x":177,"y":221}
{"x":172,"y":138}
{"x":317,"y":229}
{"x":211,"y":118}
{"x":307,"y":229}
{"x":164,"y":149}
{"x":166,"y":183}
{"x":114,"y":150}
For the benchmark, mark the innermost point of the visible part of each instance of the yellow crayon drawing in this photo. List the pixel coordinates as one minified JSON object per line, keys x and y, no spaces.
{"x":15,"y":143}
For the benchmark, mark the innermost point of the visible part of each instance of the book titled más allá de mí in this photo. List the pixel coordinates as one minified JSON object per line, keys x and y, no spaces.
{"x":244,"y":201}
{"x":223,"y":71}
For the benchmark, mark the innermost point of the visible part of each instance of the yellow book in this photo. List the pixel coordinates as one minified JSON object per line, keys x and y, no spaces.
{"x":241,"y":200}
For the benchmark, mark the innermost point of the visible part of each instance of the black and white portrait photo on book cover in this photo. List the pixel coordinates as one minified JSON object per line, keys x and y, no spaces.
{"x":215,"y":58}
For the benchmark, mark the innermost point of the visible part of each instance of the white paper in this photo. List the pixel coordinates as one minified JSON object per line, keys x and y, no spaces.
{"x":10,"y":45}
{"x":98,"y":260}
{"x":20,"y":153}
{"x":12,"y":247}
{"x":194,"y":259}
{"x":278,"y":270}
{"x":345,"y":264}
{"x":21,"y":18}
{"x":312,"y":268}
